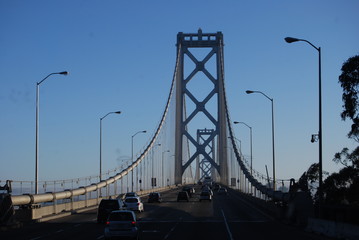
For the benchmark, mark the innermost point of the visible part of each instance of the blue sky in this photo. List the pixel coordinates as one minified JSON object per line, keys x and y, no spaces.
{"x":121,"y":56}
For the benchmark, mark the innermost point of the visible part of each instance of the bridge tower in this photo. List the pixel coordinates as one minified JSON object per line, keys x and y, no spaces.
{"x":203,"y":165}
{"x":185,"y":44}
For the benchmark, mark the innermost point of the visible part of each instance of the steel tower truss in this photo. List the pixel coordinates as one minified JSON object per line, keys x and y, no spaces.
{"x":214,"y":42}
{"x":204,"y":166}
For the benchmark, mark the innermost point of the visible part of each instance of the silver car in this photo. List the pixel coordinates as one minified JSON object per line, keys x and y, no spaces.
{"x":205,"y":195}
{"x":121,"y":224}
{"x":134,"y":204}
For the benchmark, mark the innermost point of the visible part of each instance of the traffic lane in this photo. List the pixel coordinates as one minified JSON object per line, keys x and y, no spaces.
{"x":77,"y":226}
{"x":270,"y":230}
{"x":244,"y":221}
{"x":175,"y":230}
{"x":177,"y":220}
{"x":48,"y":230}
{"x":238,"y":209}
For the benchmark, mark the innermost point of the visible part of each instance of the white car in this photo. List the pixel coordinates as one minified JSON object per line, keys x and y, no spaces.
{"x":130,"y":194}
{"x":134,"y":204}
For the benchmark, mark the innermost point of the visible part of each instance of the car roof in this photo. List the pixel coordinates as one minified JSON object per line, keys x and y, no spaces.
{"x":129,"y":198}
{"x":123,"y":211}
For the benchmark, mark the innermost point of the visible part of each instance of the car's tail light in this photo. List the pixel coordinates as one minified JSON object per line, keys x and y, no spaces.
{"x":108,"y":222}
{"x":133,"y":223}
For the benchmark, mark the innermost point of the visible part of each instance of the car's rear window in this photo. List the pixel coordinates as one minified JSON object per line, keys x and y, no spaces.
{"x":131,"y":200}
{"x":121,"y":216}
{"x":109,"y":204}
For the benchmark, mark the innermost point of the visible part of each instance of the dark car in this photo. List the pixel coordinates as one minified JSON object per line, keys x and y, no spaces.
{"x":182,"y":196}
{"x":154,"y":197}
{"x":205,"y":196}
{"x":188,"y":190}
{"x":106,"y":206}
{"x":222,"y":191}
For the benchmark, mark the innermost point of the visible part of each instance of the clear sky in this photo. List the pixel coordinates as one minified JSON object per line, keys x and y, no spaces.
{"x":121,"y":57}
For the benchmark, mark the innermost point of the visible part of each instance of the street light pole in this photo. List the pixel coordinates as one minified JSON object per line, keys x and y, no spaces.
{"x":163,"y":182}
{"x":132,"y":153}
{"x":273,"y":151}
{"x":153,"y":174}
{"x":320,"y":190}
{"x":250,"y":133}
{"x":37,"y":129}
{"x":118,"y":112}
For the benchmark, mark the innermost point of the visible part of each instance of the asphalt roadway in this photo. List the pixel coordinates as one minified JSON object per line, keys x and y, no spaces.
{"x":225,"y":217}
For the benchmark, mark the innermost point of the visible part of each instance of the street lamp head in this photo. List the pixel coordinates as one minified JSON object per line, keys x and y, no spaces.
{"x":64,"y":73}
{"x":249,"y":91}
{"x":118,"y":112}
{"x":144,"y":131}
{"x":235,"y":122}
{"x":290,"y":39}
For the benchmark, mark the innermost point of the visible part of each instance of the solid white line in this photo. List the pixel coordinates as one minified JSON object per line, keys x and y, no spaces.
{"x":100,"y":237}
{"x":77,"y":225}
{"x":150,"y":231}
{"x":61,"y":230}
{"x":172,"y":229}
{"x":255,"y":208}
{"x":203,"y":221}
{"x":228,"y":230}
{"x":36,"y":238}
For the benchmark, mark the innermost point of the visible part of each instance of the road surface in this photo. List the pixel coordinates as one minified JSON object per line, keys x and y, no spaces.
{"x":226,"y":217}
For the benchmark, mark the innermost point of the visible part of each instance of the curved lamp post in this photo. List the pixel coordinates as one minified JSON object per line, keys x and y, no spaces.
{"x":37,"y":128}
{"x":118,"y":112}
{"x":291,"y":40}
{"x":250,"y":131}
{"x":132,"y":154}
{"x":153,"y":172}
{"x":273,"y":152}
{"x":163,"y":178}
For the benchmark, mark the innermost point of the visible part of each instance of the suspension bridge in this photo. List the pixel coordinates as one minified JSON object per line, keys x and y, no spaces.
{"x":193,"y":141}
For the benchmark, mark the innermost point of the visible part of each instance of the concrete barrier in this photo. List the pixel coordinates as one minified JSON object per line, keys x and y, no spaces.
{"x":333,"y":229}
{"x":39,"y":213}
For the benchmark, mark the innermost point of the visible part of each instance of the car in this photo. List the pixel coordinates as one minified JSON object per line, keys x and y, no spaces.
{"x":130,"y":194}
{"x":222,"y":191}
{"x":205,"y":187}
{"x":182,"y":196}
{"x":106,"y":206}
{"x":188,"y":190}
{"x":134,"y":204}
{"x":206,"y":195}
{"x":208,"y":190}
{"x":154,"y":197}
{"x":122,"y":224}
